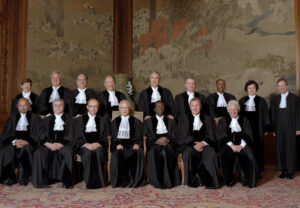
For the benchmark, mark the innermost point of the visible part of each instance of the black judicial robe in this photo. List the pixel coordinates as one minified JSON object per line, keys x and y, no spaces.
{"x":162,"y":165}
{"x":127,"y":165}
{"x":246,"y":159}
{"x":34,"y":106}
{"x":182,"y":106}
{"x":93,"y":161}
{"x":12,"y":157}
{"x":285,"y":124}
{"x":260,"y":123}
{"x":200,"y":168}
{"x":46,"y":107}
{"x":56,"y":165}
{"x":145,"y":105}
{"x":76,"y":108}
{"x":105,"y":106}
{"x":212,"y":101}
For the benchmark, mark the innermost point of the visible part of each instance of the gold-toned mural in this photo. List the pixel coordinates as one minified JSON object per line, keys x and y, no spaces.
{"x":69,"y":36}
{"x":236,"y":40}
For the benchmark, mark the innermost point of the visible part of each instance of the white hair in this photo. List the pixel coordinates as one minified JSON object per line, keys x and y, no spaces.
{"x":58,"y":100}
{"x":55,"y":72}
{"x":233,"y":102}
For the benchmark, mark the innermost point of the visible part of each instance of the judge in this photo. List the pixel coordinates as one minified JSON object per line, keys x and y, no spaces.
{"x":286,"y":125}
{"x":18,"y":140}
{"x":33,"y":98}
{"x":162,"y":167}
{"x":235,"y":142}
{"x":91,"y":144}
{"x":182,"y":101}
{"x":80,"y":96}
{"x":154,"y":93}
{"x":110,"y":98}
{"x":127,"y":162}
{"x":255,"y":109}
{"x":217,"y":101}
{"x":196,"y":140}
{"x":53,"y":160}
{"x":52,"y":93}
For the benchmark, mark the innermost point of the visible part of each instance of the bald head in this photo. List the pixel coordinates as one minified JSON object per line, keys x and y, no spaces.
{"x":92,"y":106}
{"x":109,"y":83}
{"x":124,"y":107}
{"x":23,"y":105}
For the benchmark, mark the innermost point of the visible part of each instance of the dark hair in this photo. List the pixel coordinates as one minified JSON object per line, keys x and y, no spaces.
{"x":282,"y":79}
{"x":27,"y":80}
{"x":251,"y":82}
{"x":83,"y":75}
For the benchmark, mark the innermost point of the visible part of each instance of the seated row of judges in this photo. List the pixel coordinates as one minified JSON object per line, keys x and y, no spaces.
{"x":43,"y":149}
{"x":283,"y":118}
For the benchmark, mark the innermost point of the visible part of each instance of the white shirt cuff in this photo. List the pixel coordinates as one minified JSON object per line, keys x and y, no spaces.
{"x":205,"y":143}
{"x":243,"y":143}
{"x":229,"y":143}
{"x":13,"y":142}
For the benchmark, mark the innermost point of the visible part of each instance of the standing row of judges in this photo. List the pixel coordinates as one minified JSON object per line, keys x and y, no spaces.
{"x":253,"y":109}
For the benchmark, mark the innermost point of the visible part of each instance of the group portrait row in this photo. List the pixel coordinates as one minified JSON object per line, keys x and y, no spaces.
{"x":219,"y":140}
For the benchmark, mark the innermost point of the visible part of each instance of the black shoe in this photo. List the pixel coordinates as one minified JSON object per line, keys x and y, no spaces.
{"x":10,"y":182}
{"x":67,"y":186}
{"x":23,"y":182}
{"x":229,"y":184}
{"x":282,"y":175}
{"x":290,"y":176}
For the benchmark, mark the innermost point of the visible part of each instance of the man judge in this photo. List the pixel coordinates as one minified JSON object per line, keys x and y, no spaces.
{"x":127,"y":158}
{"x":80,"y":96}
{"x":182,"y":101}
{"x":235,"y":142}
{"x":218,"y":101}
{"x":285,"y":113}
{"x":19,"y":138}
{"x":154,"y":93}
{"x":91,"y":143}
{"x":162,"y":165}
{"x":196,"y":140}
{"x":52,"y":93}
{"x":110,"y":98}
{"x":53,"y":160}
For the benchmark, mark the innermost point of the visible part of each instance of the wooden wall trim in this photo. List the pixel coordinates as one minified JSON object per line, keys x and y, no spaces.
{"x":297,"y":28}
{"x":123,"y":36}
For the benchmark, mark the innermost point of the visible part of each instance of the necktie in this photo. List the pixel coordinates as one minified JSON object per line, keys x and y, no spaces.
{"x":91,"y":124}
{"x":234,"y":125}
{"x":161,"y":127}
{"x":81,"y":97}
{"x":112,"y":98}
{"x":54,"y":95}
{"x":124,"y":128}
{"x":23,"y":123}
{"x":27,"y":96}
{"x":283,"y":100}
{"x":155,"y":95}
{"x":59,"y":123}
{"x":191,"y":96}
{"x":221,"y":101}
{"x":250,"y":104}
{"x":197,"y":124}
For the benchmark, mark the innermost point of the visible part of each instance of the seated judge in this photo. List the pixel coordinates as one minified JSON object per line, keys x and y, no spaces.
{"x":182,"y":101}
{"x":127,"y":158}
{"x":196,"y":141}
{"x":218,"y":101}
{"x":255,"y":109}
{"x":53,"y":160}
{"x":33,"y":98}
{"x":18,"y":140}
{"x":154,"y":93}
{"x":110,"y":98}
{"x":80,"y":96}
{"x":162,"y":165}
{"x":235,"y":142}
{"x":91,"y":144}
{"x":52,"y":93}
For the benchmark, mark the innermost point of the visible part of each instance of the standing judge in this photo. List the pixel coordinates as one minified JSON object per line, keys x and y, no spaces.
{"x":235,"y":142}
{"x":154,"y":93}
{"x":91,"y":135}
{"x":80,"y":96}
{"x":53,"y":160}
{"x":56,"y":91}
{"x":196,"y":140}
{"x":182,"y":101}
{"x":18,"y":140}
{"x":217,"y":101}
{"x":255,"y":109}
{"x":33,"y":98}
{"x":127,"y":159}
{"x":162,"y":165}
{"x":110,"y":98}
{"x":286,"y":125}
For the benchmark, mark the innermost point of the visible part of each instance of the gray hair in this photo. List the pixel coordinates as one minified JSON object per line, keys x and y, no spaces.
{"x":155,"y":72}
{"x":58,"y":100}
{"x":55,"y":72}
{"x":108,"y":77}
{"x":233,"y":102}
{"x":186,"y":79}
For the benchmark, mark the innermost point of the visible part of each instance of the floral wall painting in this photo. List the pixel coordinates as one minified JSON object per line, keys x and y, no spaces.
{"x":69,"y":36}
{"x":236,"y":40}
